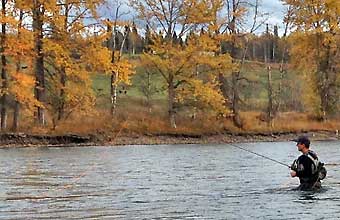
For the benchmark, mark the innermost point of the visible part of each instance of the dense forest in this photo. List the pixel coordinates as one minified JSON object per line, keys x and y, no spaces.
{"x":183,"y":66}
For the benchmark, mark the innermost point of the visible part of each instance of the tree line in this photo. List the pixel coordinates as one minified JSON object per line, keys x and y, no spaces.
{"x":50,"y":51}
{"x":311,"y":49}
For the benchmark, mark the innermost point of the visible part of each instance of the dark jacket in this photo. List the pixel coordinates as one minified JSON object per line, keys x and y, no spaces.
{"x":306,"y":170}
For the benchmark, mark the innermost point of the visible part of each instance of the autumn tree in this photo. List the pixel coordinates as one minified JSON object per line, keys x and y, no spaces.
{"x":122,"y":68}
{"x":315,"y":51}
{"x":67,"y":40}
{"x":164,"y":14}
{"x":283,"y":44}
{"x":177,"y":63}
{"x":39,"y":14}
{"x":68,"y":50}
{"x":63,"y":47}
{"x":233,"y":17}
{"x":268,"y":60}
{"x":16,"y":47}
{"x":22,"y":82}
{"x":4,"y":75}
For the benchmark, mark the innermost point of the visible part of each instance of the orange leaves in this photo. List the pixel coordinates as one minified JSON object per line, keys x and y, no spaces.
{"x":21,"y":88}
{"x":96,"y":57}
{"x":19,"y":47}
{"x":8,"y":20}
{"x":59,"y":53}
{"x":334,"y":5}
{"x":61,"y":58}
{"x":124,"y":70}
{"x":22,"y":80}
{"x":201,"y":11}
{"x":99,"y":59}
{"x":118,"y":23}
{"x":315,"y":16}
{"x":18,"y":53}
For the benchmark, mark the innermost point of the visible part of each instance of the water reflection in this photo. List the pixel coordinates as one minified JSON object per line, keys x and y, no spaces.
{"x":308,"y":196}
{"x":161,"y":182}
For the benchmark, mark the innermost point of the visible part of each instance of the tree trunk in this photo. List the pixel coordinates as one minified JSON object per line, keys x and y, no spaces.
{"x":280,"y":89}
{"x":254,"y":51}
{"x":171,"y":101}
{"x":113,"y":89}
{"x":223,"y":86}
{"x":235,"y":88}
{"x":329,"y":96}
{"x":270,"y":112}
{"x":4,"y":76}
{"x":16,"y":113}
{"x":133,"y":47}
{"x":236,"y":74}
{"x":61,"y":110}
{"x":114,"y":75}
{"x":148,"y":91}
{"x":283,"y":69}
{"x":39,"y":62}
{"x":235,"y":101}
{"x":113,"y":92}
{"x":267,"y":59}
{"x":324,"y":94}
{"x":63,"y":77}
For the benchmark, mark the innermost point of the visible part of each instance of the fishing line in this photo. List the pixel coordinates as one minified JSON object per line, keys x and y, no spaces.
{"x":260,"y":155}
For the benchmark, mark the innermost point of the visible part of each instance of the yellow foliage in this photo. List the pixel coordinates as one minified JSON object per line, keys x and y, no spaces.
{"x":80,"y":97}
{"x":315,"y":49}
{"x":124,"y":70}
{"x":194,"y":67}
{"x":205,"y":94}
{"x":21,"y":88}
{"x":201,"y":11}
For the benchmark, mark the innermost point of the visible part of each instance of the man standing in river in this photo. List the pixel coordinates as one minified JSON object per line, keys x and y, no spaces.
{"x":306,"y":166}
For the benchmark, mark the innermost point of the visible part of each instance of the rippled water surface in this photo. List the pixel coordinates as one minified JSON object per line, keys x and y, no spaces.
{"x":163,"y":182}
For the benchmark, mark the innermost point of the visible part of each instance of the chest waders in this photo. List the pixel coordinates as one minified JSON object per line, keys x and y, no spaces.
{"x":318,"y":173}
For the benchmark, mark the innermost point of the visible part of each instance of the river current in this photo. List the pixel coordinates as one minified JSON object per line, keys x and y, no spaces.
{"x":164,"y":182}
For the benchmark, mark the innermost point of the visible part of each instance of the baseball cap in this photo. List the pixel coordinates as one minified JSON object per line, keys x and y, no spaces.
{"x":303,"y":140}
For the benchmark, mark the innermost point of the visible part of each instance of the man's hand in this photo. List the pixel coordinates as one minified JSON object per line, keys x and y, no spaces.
{"x":293,"y":173}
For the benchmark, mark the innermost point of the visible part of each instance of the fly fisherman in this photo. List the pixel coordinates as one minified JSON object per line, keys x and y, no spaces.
{"x":307,"y":167}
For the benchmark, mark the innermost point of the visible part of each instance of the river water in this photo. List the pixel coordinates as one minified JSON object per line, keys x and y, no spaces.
{"x":164,"y":182}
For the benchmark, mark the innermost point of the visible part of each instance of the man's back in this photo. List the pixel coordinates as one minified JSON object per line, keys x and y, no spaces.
{"x":307,"y":165}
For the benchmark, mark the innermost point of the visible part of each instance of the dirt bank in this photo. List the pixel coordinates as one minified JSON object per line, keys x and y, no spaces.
{"x":28,"y":140}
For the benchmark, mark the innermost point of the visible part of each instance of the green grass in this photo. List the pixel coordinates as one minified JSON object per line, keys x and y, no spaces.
{"x":254,"y":94}
{"x":101,"y":86}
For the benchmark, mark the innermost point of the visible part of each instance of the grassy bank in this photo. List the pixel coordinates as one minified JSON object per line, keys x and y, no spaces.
{"x":138,"y":127}
{"x":140,"y":122}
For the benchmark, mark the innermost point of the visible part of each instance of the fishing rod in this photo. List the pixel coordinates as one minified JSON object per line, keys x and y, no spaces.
{"x":260,"y":155}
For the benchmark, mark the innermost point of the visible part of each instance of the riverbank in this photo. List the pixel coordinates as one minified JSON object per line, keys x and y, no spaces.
{"x":31,"y":140}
